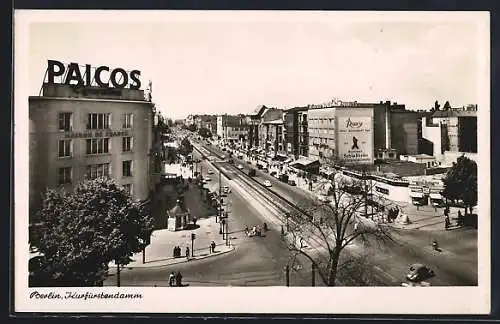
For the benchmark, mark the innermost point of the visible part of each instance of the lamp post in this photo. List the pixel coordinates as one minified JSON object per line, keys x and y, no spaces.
{"x":226,"y":222}
{"x":193,"y":237}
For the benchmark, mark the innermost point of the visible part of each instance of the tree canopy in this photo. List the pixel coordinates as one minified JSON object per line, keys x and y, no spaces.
{"x":186,"y":147}
{"x":460,"y":182}
{"x":204,"y":132}
{"x":78,"y":234}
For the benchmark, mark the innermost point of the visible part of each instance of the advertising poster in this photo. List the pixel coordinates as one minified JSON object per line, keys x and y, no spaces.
{"x":355,"y":140}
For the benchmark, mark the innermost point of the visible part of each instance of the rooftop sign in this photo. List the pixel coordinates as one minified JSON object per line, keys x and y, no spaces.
{"x":101,"y":76}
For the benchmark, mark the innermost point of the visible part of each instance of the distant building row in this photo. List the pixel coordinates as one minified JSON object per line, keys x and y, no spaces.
{"x":348,"y":132}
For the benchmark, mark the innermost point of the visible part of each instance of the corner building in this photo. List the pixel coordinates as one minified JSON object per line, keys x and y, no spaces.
{"x":84,"y":133}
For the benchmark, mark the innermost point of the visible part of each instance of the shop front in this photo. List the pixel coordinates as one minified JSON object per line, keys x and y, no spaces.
{"x":436,"y":199}
{"x":418,"y":197}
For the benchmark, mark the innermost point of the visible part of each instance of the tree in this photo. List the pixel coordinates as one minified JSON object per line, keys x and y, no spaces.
{"x":331,"y":226}
{"x":447,"y":106}
{"x":436,"y":106}
{"x":460,"y":182}
{"x":186,"y":147}
{"x":78,"y":234}
{"x":204,"y":132}
{"x":192,"y":127}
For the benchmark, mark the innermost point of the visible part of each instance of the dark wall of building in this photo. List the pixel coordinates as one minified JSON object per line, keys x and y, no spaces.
{"x":291,"y":132}
{"x":404,"y":132}
{"x":467,"y":134}
{"x":379,"y":128}
{"x":303,"y":138}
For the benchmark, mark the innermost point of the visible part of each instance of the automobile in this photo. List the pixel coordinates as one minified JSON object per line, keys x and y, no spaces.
{"x":273,"y":173}
{"x":226,"y":189}
{"x":292,"y":182}
{"x":223,"y":149}
{"x":267,"y":183}
{"x":419,"y":272}
{"x":249,"y":162}
{"x":284,"y":178}
{"x":251,"y":173}
{"x":223,"y":157}
{"x":240,"y":166}
{"x":210,"y":171}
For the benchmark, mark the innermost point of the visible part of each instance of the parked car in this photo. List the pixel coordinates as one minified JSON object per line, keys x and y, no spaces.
{"x":267,"y":183}
{"x":226,"y":189}
{"x":419,"y":272}
{"x":249,"y":162}
{"x":240,"y":166}
{"x":210,"y":171}
{"x":284,"y":178}
{"x":292,"y":182}
{"x":273,"y":173}
{"x":251,"y":173}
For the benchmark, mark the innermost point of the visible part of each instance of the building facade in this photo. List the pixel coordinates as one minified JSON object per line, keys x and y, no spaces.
{"x":232,"y":129}
{"x":383,"y":130}
{"x":449,"y":131}
{"x":84,"y":133}
{"x":295,"y":132}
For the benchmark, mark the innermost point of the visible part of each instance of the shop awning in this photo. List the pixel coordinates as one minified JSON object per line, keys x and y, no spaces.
{"x":304,"y":162}
{"x":416,"y":195}
{"x":435,"y":196}
{"x":279,"y":157}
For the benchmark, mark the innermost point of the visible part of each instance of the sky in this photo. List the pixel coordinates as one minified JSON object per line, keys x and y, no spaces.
{"x":229,"y":66}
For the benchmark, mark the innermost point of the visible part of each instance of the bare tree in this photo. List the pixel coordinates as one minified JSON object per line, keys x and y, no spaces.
{"x":322,"y":230}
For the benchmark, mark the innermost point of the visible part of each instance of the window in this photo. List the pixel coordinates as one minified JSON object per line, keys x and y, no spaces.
{"x":98,"y":121}
{"x":64,"y":175}
{"x":65,"y":148}
{"x":128,"y":188}
{"x":98,"y":170}
{"x":126,"y":144}
{"x":65,"y":121}
{"x":127,"y":168}
{"x":97,"y":145}
{"x":128,"y":120}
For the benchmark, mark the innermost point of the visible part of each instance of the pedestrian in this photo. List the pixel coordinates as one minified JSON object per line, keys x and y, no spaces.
{"x":171,"y":279}
{"x":213,"y":246}
{"x":187,"y":252}
{"x":178,"y":279}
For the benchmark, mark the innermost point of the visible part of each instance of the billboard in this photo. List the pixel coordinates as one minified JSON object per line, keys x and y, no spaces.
{"x":355,"y":140}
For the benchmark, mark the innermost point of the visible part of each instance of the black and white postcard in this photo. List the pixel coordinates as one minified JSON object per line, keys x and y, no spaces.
{"x":252,"y":162}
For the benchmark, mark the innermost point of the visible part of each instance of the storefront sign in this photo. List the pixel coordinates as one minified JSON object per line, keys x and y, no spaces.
{"x":118,"y":78}
{"x":355,"y":138}
{"x":100,"y":133}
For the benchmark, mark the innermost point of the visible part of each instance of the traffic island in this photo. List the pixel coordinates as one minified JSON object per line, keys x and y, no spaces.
{"x":161,"y":250}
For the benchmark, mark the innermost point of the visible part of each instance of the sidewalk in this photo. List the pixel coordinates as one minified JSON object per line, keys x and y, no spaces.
{"x":160,"y":251}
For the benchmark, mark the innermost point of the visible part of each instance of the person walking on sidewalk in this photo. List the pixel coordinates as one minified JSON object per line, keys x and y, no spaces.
{"x":187,"y":252}
{"x":171,"y":279}
{"x":178,"y":279}
{"x":212,"y":245}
